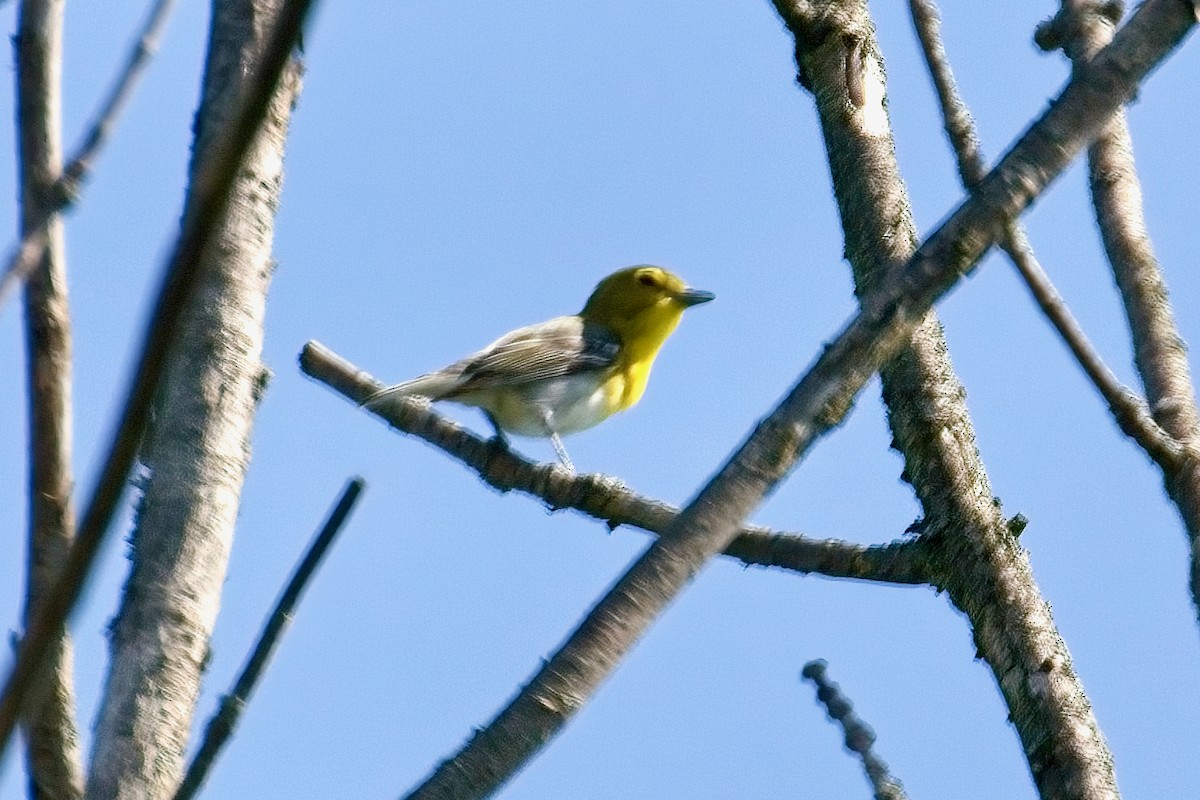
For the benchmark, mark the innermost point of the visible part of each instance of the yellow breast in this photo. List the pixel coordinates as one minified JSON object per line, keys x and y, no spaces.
{"x":627,"y":384}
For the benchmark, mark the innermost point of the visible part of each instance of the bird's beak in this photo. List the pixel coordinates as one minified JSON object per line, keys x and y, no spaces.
{"x":693,"y":297}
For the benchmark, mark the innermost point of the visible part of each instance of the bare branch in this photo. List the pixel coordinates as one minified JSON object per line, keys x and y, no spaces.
{"x":1082,"y":28}
{"x":211,"y":186}
{"x":53,"y":761}
{"x":606,"y":498}
{"x":68,"y":183}
{"x":196,"y":453}
{"x":982,"y":566}
{"x":222,"y":724}
{"x":1129,"y":411}
{"x":860,"y":738}
{"x":106,"y":119}
{"x":888,"y":318}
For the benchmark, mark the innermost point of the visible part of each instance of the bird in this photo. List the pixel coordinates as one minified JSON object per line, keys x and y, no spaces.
{"x":568,"y":373}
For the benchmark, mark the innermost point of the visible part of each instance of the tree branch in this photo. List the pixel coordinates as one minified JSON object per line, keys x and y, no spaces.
{"x":195,"y":454}
{"x":860,"y":738}
{"x":888,"y":318}
{"x":68,"y":183}
{"x":986,"y":573}
{"x":223,"y":723}
{"x":211,"y":185}
{"x":53,"y":762}
{"x":976,"y":557}
{"x":1082,"y":28}
{"x":1130,"y":411}
{"x":606,"y":498}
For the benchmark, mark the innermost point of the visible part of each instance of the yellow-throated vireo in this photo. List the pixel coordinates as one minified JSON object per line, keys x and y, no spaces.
{"x":568,"y":373}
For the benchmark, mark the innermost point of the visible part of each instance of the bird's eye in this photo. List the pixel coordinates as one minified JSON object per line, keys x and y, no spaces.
{"x":646,"y":279}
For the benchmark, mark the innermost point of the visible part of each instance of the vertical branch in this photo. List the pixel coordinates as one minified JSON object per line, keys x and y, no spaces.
{"x":196,"y":451}
{"x":52,"y":757}
{"x":1082,"y":28}
{"x":976,"y":558}
{"x":209,"y":201}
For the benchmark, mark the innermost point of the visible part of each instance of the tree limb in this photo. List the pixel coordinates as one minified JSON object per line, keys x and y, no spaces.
{"x":211,"y":186}
{"x":606,"y":498}
{"x":976,"y":558}
{"x":1128,"y":409}
{"x":52,"y":754}
{"x":195,"y":453}
{"x":1082,"y":28}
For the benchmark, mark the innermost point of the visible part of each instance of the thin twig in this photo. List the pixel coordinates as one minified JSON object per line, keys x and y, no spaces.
{"x":606,"y":498}
{"x":1129,"y":411}
{"x":211,"y":187}
{"x":101,"y":129}
{"x":223,"y":723}
{"x":814,"y":406}
{"x":860,"y":738}
{"x":66,"y":189}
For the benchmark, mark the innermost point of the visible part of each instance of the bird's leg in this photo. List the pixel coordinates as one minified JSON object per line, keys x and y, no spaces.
{"x":556,"y":441}
{"x":499,"y":440}
{"x":561,"y":451}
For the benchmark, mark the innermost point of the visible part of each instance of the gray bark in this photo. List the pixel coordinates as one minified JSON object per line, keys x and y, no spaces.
{"x":985,"y":571}
{"x":52,"y":753}
{"x":1160,"y":353}
{"x":195,"y":454}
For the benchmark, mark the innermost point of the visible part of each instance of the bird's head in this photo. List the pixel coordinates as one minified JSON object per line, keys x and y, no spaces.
{"x":642,"y":300}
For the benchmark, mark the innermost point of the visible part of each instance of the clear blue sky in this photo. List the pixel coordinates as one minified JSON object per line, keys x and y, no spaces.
{"x":456,"y":171}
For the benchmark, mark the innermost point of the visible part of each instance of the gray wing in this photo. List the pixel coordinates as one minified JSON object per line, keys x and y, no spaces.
{"x":555,"y":348}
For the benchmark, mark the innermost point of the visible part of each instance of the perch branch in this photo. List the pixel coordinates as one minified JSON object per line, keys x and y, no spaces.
{"x":606,"y":498}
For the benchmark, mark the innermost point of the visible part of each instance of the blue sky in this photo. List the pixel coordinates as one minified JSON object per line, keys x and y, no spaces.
{"x":455,"y":172}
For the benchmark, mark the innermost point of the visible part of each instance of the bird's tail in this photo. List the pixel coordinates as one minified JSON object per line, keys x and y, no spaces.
{"x":435,"y":386}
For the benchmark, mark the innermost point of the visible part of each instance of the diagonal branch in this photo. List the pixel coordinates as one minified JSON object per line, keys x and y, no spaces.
{"x":607,"y":499}
{"x":68,"y":184}
{"x":819,"y":401}
{"x":859,"y":737}
{"x":1082,"y":28}
{"x":53,"y":761}
{"x":1129,"y":411}
{"x":211,"y":184}
{"x":222,"y":724}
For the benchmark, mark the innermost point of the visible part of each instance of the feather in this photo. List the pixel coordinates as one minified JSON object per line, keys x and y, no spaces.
{"x":556,"y":348}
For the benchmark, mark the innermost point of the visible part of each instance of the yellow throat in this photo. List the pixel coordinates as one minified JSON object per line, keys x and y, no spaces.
{"x":642,"y":306}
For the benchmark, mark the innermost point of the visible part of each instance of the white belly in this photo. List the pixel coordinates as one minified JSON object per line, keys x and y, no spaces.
{"x":568,"y":404}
